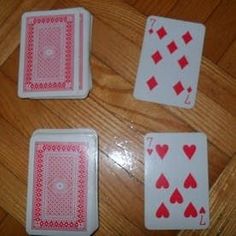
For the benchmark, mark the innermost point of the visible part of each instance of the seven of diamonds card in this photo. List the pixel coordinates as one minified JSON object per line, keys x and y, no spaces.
{"x":54,"y":54}
{"x":176,"y":181}
{"x":170,"y":62}
{"x":62,"y":183}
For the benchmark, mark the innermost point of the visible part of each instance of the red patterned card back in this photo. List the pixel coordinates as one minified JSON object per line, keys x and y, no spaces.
{"x":60,"y":186}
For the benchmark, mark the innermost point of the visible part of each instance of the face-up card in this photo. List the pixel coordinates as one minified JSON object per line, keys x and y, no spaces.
{"x":176,"y":181}
{"x":54,"y":60}
{"x":62,"y":183}
{"x":170,"y":61}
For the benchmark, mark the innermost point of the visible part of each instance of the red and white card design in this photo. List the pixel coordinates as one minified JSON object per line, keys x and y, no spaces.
{"x":170,"y":60}
{"x":62,"y":183}
{"x":54,"y":54}
{"x":176,"y":181}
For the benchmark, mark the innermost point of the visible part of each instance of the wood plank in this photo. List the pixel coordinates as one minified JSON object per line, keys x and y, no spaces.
{"x":127,"y":67}
{"x":209,"y":117}
{"x":131,"y":2}
{"x":115,"y":203}
{"x":25,"y":115}
{"x":13,"y":59}
{"x":122,"y":56}
{"x":10,"y":30}
{"x":222,"y":204}
{"x":222,"y":85}
{"x":6,"y":9}
{"x":150,"y":7}
{"x":129,"y":62}
{"x":109,"y":210}
{"x":12,"y":194}
{"x":10,"y":148}
{"x":120,"y":201}
{"x":218,"y":85}
{"x":112,"y":102}
{"x":111,"y":129}
{"x":228,"y":60}
{"x":189,"y":10}
{"x":10,"y":226}
{"x":182,"y":9}
{"x":117,"y":14}
{"x":121,"y":121}
{"x":221,"y":31}
{"x":3,"y":214}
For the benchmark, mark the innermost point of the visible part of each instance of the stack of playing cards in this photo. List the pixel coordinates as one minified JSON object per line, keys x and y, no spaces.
{"x":170,"y":61}
{"x":54,"y":54}
{"x":176,"y":181}
{"x":62,"y":182}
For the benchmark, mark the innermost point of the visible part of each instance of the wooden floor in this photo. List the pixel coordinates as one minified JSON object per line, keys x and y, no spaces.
{"x":120,"y":120}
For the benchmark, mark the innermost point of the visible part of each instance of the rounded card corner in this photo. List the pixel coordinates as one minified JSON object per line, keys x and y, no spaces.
{"x":35,"y":132}
{"x":147,"y":226}
{"x":135,"y":95}
{"x":151,"y":16}
{"x":191,"y":106}
{"x":203,"y":27}
{"x":93,"y":229}
{"x":206,"y":226}
{"x":93,"y":131}
{"x":24,"y":15}
{"x":19,"y":94}
{"x":204,"y":136}
{"x":84,"y":10}
{"x":147,"y":135}
{"x":28,"y":229}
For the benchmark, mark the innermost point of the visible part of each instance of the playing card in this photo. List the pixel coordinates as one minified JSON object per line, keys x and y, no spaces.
{"x":54,"y":55}
{"x":62,"y":183}
{"x":170,"y":61}
{"x":176,"y":181}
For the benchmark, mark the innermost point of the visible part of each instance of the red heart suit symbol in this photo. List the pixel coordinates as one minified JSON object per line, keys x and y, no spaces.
{"x":189,"y":150}
{"x":202,"y":210}
{"x":149,"y":150}
{"x":162,"y":150}
{"x":190,"y":182}
{"x":162,"y":182}
{"x":162,"y":211}
{"x":190,"y":211}
{"x":176,"y":197}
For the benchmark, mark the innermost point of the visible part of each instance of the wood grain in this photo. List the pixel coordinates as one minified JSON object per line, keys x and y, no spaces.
{"x":12,"y":194}
{"x":228,"y":60}
{"x":116,"y":112}
{"x":222,"y":204}
{"x":127,"y":67}
{"x":10,"y":226}
{"x":120,"y":120}
{"x":189,"y":10}
{"x":10,"y":30}
{"x":182,"y":9}
{"x":118,"y":15}
{"x":10,"y":138}
{"x":117,"y":205}
{"x":221,"y":30}
{"x":122,"y":56}
{"x":218,"y":85}
{"x":2,"y":215}
{"x":7,"y":10}
{"x":150,"y":7}
{"x":219,"y":14}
